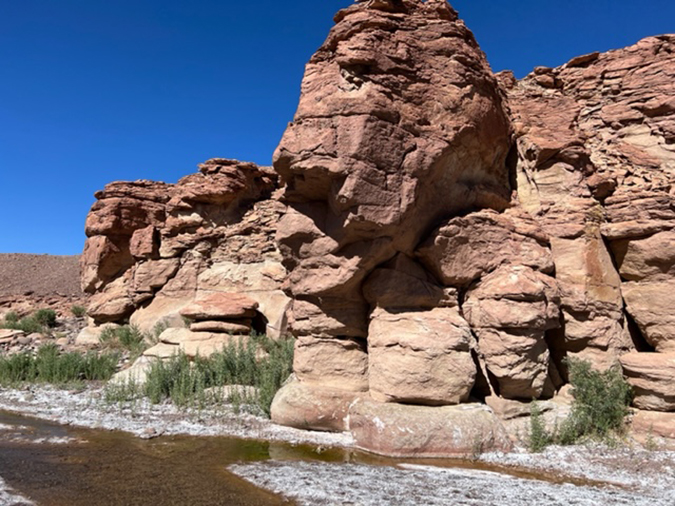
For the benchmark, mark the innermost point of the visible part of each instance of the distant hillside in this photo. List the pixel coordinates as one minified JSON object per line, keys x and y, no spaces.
{"x":40,"y":274}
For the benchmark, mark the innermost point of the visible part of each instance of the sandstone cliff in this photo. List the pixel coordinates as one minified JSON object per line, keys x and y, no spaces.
{"x":439,"y":237}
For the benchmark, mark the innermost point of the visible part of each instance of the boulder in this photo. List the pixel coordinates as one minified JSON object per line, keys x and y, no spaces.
{"x":420,"y":357}
{"x":510,"y":310}
{"x":338,"y":364}
{"x":397,"y":430}
{"x":465,"y":248}
{"x":652,"y":306}
{"x":311,"y":407}
{"x":91,"y":335}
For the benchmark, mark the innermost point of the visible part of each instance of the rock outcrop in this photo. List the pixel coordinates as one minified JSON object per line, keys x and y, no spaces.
{"x":202,"y":249}
{"x":443,"y":235}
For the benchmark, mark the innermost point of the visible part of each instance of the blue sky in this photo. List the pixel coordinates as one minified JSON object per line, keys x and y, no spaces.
{"x":93,"y":91}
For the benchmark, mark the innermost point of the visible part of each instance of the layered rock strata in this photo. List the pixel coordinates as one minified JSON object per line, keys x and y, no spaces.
{"x":155,"y":248}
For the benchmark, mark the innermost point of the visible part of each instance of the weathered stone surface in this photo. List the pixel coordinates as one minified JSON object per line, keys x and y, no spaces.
{"x":510,"y":310}
{"x":402,"y":283}
{"x":654,"y":428}
{"x":112,"y":304}
{"x":136,"y":374}
{"x":391,"y":134}
{"x":312,"y":407}
{"x":9,"y":334}
{"x":398,"y":430}
{"x":340,"y":364}
{"x":420,"y":357}
{"x":157,"y":239}
{"x":163,"y":311}
{"x":102,"y":260}
{"x":124,"y":207}
{"x":595,"y":163}
{"x":648,"y":259}
{"x":206,"y":347}
{"x":220,"y":306}
{"x":91,"y":335}
{"x":154,"y":274}
{"x":652,"y":376}
{"x":161,"y":351}
{"x":652,"y":305}
{"x":143,"y":243}
{"x":459,"y":252}
{"x":260,"y":281}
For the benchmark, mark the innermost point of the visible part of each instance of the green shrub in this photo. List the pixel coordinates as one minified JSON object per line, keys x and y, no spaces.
{"x":78,"y":311}
{"x":598,"y":411}
{"x":185,"y":382}
{"x":28,"y":324}
{"x":49,"y":365}
{"x":539,"y":436}
{"x":127,"y":337}
{"x":45,"y":317}
{"x":11,"y":317}
{"x":601,"y":401}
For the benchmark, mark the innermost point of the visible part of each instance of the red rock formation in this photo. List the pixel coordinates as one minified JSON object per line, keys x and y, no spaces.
{"x":153,"y":247}
{"x":446,"y":235}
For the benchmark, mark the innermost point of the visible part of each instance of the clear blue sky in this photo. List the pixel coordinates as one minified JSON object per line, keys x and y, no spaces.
{"x":94,"y":91}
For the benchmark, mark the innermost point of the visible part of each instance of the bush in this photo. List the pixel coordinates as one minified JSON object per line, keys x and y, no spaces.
{"x":28,"y":324}
{"x":127,"y":337}
{"x":185,"y":382}
{"x":78,"y":311}
{"x":46,"y":317}
{"x":11,"y":317}
{"x":539,"y":436}
{"x":49,"y":365}
{"x":601,"y":401}
{"x":600,"y":405}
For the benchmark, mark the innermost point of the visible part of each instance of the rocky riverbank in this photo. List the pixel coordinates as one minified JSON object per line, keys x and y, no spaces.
{"x":583,"y":475}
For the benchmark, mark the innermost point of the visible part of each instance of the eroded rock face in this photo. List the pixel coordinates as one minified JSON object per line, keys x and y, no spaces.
{"x":400,"y":123}
{"x":441,"y":235}
{"x":652,"y":376}
{"x":596,"y":165}
{"x":153,"y":248}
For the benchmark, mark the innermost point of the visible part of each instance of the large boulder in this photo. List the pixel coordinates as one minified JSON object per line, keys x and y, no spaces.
{"x":510,"y":310}
{"x":397,"y":430}
{"x":420,"y":357}
{"x":312,"y":407}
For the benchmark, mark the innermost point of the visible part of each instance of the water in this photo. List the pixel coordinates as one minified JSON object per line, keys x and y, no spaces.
{"x":65,"y":466}
{"x":114,"y":468}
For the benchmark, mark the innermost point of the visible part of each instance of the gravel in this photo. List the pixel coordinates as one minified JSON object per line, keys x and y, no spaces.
{"x":40,"y":274}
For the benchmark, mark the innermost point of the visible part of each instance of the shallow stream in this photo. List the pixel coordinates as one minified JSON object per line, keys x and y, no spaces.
{"x":65,"y":466}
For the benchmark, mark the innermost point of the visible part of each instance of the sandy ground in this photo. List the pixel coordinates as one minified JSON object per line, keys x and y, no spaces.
{"x":589,"y":475}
